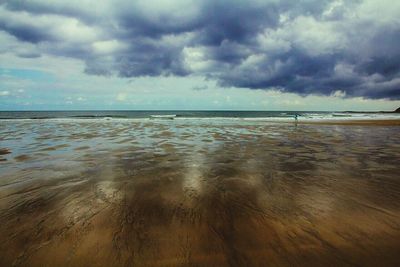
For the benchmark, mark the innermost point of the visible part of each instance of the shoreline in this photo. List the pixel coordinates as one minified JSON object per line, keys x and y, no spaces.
{"x":368,"y":122}
{"x":364,"y":121}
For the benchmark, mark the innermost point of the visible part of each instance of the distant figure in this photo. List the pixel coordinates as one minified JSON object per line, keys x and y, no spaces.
{"x":295,"y":117}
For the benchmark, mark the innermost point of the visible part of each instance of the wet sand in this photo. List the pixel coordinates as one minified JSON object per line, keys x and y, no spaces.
{"x":199,"y":193}
{"x":356,"y":122}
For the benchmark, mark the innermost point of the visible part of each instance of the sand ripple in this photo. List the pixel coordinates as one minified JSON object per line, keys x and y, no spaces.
{"x":132,"y":193}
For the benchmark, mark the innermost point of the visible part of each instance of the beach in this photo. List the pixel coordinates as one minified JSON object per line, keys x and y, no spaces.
{"x":199,"y":192}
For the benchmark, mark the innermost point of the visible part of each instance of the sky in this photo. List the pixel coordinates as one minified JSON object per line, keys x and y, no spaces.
{"x":200,"y":55}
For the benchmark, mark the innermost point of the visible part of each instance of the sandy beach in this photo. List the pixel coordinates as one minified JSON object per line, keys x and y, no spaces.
{"x":96,"y":192}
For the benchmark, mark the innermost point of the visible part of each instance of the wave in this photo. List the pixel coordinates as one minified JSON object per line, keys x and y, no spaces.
{"x":97,"y":116}
{"x":200,"y":115}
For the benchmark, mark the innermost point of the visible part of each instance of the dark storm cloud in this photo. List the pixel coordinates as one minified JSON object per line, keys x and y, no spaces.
{"x":24,"y":32}
{"x":386,"y":66}
{"x":222,"y":20}
{"x":297,"y":72}
{"x":304,"y":47}
{"x":50,"y":7}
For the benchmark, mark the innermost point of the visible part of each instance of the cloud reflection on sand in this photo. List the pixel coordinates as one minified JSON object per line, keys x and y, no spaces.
{"x":194,"y":174}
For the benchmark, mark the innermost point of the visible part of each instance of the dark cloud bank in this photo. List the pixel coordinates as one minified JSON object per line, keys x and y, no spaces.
{"x":305,"y":47}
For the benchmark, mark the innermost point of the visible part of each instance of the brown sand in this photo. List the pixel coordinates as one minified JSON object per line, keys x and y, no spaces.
{"x":4,"y":151}
{"x":205,"y":195}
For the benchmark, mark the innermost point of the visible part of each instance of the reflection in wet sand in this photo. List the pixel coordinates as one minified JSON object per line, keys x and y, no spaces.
{"x":184,"y":193}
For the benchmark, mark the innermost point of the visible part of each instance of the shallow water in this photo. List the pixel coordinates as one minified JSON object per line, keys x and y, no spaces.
{"x":198,"y":193}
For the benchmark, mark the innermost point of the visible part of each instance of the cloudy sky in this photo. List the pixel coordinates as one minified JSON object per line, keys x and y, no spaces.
{"x":200,"y":54}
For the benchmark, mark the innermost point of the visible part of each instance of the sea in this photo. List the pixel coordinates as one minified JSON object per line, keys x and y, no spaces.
{"x":179,"y":114}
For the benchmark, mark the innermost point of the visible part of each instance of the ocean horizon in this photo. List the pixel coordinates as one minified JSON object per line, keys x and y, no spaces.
{"x":200,"y":114}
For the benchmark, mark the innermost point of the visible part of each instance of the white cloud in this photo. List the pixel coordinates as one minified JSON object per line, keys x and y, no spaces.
{"x":108,"y":46}
{"x":339,"y":94}
{"x":314,"y":36}
{"x":195,"y":58}
{"x":4,"y":93}
{"x":121,"y":97}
